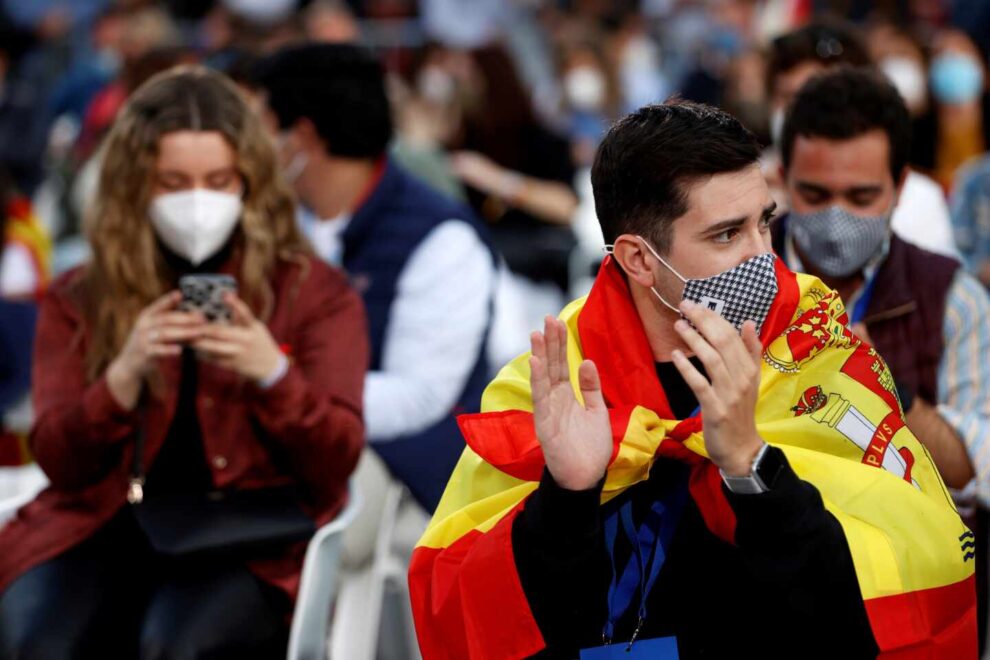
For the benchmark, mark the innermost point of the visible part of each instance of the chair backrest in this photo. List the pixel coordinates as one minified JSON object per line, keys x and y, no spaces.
{"x":318,"y":587}
{"x":18,"y":486}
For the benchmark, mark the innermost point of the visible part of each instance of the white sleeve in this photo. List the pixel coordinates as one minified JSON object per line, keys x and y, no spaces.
{"x":436,"y":327}
{"x":18,"y":272}
{"x":922,"y":216}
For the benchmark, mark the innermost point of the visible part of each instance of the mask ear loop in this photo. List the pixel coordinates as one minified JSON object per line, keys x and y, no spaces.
{"x":610,"y":249}
{"x":670,"y":268}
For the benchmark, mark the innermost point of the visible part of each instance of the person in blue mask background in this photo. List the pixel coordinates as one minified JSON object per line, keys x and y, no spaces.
{"x":957,"y":127}
{"x":845,"y":143}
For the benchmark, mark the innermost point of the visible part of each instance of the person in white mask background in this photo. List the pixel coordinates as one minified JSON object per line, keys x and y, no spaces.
{"x":162,"y":433}
{"x":845,"y":147}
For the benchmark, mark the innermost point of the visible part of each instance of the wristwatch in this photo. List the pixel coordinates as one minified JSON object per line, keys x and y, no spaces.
{"x":762,"y":476}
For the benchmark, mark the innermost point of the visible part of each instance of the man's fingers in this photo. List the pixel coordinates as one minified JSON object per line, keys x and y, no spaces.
{"x":752,"y":341}
{"x":565,"y":369}
{"x":552,"y":338}
{"x":718,"y":332}
{"x":539,"y":379}
{"x":698,"y":383}
{"x":591,"y":386}
{"x":708,"y":354}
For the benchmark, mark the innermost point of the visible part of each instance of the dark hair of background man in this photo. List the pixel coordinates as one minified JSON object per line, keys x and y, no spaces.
{"x":648,"y":160}
{"x":338,"y":87}
{"x":828,"y":42}
{"x":845,"y":103}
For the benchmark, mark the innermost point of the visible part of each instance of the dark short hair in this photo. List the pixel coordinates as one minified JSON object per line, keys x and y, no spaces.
{"x":338,"y":87}
{"x":829,"y":42}
{"x":845,"y":103}
{"x":648,"y":160}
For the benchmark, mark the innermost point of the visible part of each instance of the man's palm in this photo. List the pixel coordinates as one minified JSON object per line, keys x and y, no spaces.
{"x":576,"y":439}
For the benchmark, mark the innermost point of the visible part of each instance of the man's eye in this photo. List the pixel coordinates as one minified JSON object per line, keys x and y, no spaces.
{"x":725,"y":236}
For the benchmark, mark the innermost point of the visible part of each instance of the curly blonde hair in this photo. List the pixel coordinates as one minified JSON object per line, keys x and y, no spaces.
{"x":127,"y":270}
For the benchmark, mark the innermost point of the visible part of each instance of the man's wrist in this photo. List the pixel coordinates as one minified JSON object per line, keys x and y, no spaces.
{"x":741,"y":465}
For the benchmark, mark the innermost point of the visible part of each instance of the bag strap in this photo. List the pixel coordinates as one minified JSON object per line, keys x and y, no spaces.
{"x":135,"y":485}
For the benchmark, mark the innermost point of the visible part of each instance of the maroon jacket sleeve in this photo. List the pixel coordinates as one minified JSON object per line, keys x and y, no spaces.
{"x":315,"y":410}
{"x":78,"y":425}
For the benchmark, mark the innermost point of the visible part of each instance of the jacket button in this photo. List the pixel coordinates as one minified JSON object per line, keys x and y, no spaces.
{"x":219,"y":462}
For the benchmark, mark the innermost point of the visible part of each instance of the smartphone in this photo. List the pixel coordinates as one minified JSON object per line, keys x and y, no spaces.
{"x":204,"y":293}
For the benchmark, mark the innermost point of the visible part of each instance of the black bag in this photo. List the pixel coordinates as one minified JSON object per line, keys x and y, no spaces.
{"x":243,"y":522}
{"x":239,"y":522}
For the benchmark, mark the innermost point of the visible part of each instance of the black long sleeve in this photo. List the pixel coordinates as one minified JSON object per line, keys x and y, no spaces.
{"x":787,"y":588}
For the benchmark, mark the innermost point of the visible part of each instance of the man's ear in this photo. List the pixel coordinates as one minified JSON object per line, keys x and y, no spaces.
{"x":309,"y":139}
{"x":635,"y":259}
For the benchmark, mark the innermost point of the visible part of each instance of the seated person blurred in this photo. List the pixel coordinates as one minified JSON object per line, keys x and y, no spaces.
{"x":25,"y":256}
{"x":421,"y":261}
{"x":846,"y":141}
{"x":957,"y":128}
{"x":519,"y":174}
{"x":189,"y":460}
{"x":794,"y":58}
{"x":25,"y":253}
{"x":971,"y":217}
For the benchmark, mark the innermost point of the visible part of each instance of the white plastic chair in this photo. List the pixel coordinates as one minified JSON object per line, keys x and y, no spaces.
{"x":318,"y":586}
{"x":18,"y":486}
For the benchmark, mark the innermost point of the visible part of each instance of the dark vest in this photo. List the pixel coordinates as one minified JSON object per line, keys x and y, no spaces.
{"x":906,"y":312}
{"x":906,"y":315}
{"x":380,"y":237}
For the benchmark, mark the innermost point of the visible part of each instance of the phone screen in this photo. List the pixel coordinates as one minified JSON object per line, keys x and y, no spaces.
{"x":204,"y":293}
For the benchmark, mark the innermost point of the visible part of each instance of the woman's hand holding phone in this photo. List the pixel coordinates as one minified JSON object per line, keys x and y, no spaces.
{"x":245,"y":346}
{"x":159,"y":331}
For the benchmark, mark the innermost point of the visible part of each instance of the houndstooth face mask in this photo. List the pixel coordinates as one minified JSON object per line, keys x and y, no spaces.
{"x":838,"y":242}
{"x":743,"y":293}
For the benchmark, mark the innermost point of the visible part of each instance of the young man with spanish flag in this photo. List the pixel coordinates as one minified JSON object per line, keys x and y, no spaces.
{"x":678,"y":468}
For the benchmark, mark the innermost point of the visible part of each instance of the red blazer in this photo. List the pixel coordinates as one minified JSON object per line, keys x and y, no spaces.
{"x":307,"y":428}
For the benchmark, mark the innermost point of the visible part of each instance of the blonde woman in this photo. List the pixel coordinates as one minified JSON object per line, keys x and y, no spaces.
{"x":188,"y":459}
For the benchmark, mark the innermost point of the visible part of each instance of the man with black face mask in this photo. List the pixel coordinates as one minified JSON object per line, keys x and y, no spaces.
{"x":844,"y":163}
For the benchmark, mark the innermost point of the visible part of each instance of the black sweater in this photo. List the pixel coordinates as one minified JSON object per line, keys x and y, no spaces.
{"x":787,"y":588}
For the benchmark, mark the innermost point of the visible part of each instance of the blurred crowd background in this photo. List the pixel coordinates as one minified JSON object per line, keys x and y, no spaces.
{"x":488,"y":96}
{"x":497,"y":103}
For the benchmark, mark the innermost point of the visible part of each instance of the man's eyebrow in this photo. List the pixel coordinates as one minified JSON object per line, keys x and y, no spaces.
{"x":854,"y":190}
{"x":733,"y":223}
{"x":813,"y":186}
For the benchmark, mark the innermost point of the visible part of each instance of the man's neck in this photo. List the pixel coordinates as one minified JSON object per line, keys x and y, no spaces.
{"x":658,"y":322}
{"x":338,"y":185}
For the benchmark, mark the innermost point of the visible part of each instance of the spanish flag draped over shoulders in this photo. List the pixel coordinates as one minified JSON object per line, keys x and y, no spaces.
{"x":826,"y":399}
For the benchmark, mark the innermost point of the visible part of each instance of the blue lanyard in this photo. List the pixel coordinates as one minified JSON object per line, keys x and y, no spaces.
{"x":859,"y":310}
{"x":649,"y":551}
